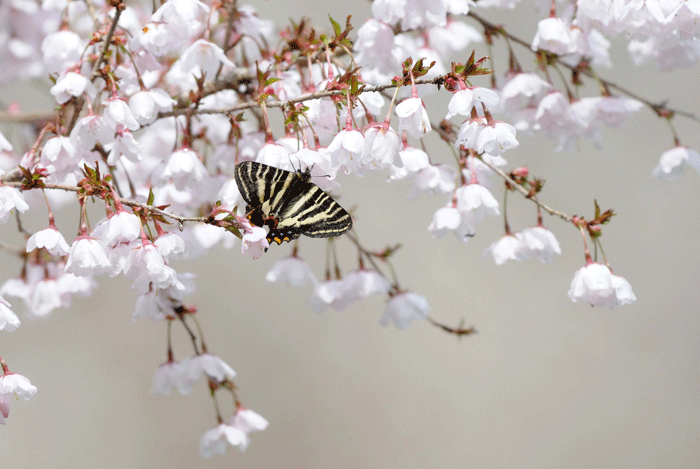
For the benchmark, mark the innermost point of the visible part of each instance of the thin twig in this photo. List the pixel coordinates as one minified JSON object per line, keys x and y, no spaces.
{"x":459,"y":331}
{"x":526,"y":193}
{"x":107,"y":39}
{"x":130,"y":203}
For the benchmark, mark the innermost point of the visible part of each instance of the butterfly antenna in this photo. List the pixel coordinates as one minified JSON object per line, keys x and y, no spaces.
{"x":290,"y":162}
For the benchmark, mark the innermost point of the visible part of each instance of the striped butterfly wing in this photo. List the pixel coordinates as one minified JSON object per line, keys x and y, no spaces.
{"x":289,"y":203}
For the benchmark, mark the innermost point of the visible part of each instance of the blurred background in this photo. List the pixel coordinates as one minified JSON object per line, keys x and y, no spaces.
{"x":545,"y":382}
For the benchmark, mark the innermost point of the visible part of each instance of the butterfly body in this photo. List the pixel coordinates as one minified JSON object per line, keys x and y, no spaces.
{"x":289,"y":203}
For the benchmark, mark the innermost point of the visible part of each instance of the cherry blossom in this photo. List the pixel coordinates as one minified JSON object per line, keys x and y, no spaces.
{"x":254,"y":242}
{"x":124,"y":145}
{"x":18,"y":385}
{"x":90,"y":130}
{"x":69,"y":284}
{"x":158,"y":305}
{"x":201,"y":59}
{"x":413,"y":159}
{"x":614,"y":111}
{"x":157,"y":38}
{"x":12,"y":387}
{"x":145,"y":105}
{"x":215,"y":440}
{"x":292,"y":270}
{"x":381,"y":148}
{"x":595,"y":284}
{"x":388,"y":11}
{"x":61,"y":50}
{"x":170,"y":243}
{"x":539,"y":242}
{"x":71,"y":85}
{"x":476,"y":199}
{"x":88,"y":256}
{"x":464,"y":100}
{"x":508,"y":247}
{"x":43,"y":288}
{"x":60,"y":153}
{"x":413,"y":118}
{"x":274,"y":154}
{"x":145,"y":264}
{"x":454,"y":37}
{"x":377,"y":51}
{"x":46,"y":296}
{"x":673,"y":162}
{"x":117,"y":112}
{"x":208,"y":365}
{"x":523,"y":90}
{"x":404,"y":308}
{"x":184,"y":167}
{"x":182,"y":17}
{"x":445,"y":219}
{"x":359,"y":284}
{"x":346,"y":150}
{"x":484,"y":137}
{"x":255,"y":30}
{"x":558,"y":121}
{"x":120,"y":227}
{"x":556,"y":36}
{"x":326,"y":294}
{"x":169,"y":376}
{"x":461,"y":102}
{"x":248,"y":421}
{"x":4,"y":409}
{"x":423,"y":14}
{"x":207,"y":236}
{"x":484,"y":174}
{"x":49,"y":238}
{"x":434,"y":179}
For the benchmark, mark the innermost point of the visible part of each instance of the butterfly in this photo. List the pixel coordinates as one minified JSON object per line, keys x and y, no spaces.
{"x":289,"y":203}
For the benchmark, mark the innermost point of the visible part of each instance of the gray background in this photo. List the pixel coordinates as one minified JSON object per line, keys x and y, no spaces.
{"x":545,"y":382}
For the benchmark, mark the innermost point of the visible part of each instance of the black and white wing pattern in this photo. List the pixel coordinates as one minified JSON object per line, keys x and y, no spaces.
{"x":289,"y":203}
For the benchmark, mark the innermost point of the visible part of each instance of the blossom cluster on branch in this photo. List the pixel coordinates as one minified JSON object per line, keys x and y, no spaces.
{"x":155,"y":108}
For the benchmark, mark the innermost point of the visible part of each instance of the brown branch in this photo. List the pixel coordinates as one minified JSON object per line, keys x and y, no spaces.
{"x":27,"y":117}
{"x":281,"y":104}
{"x":459,"y":331}
{"x":129,"y":202}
